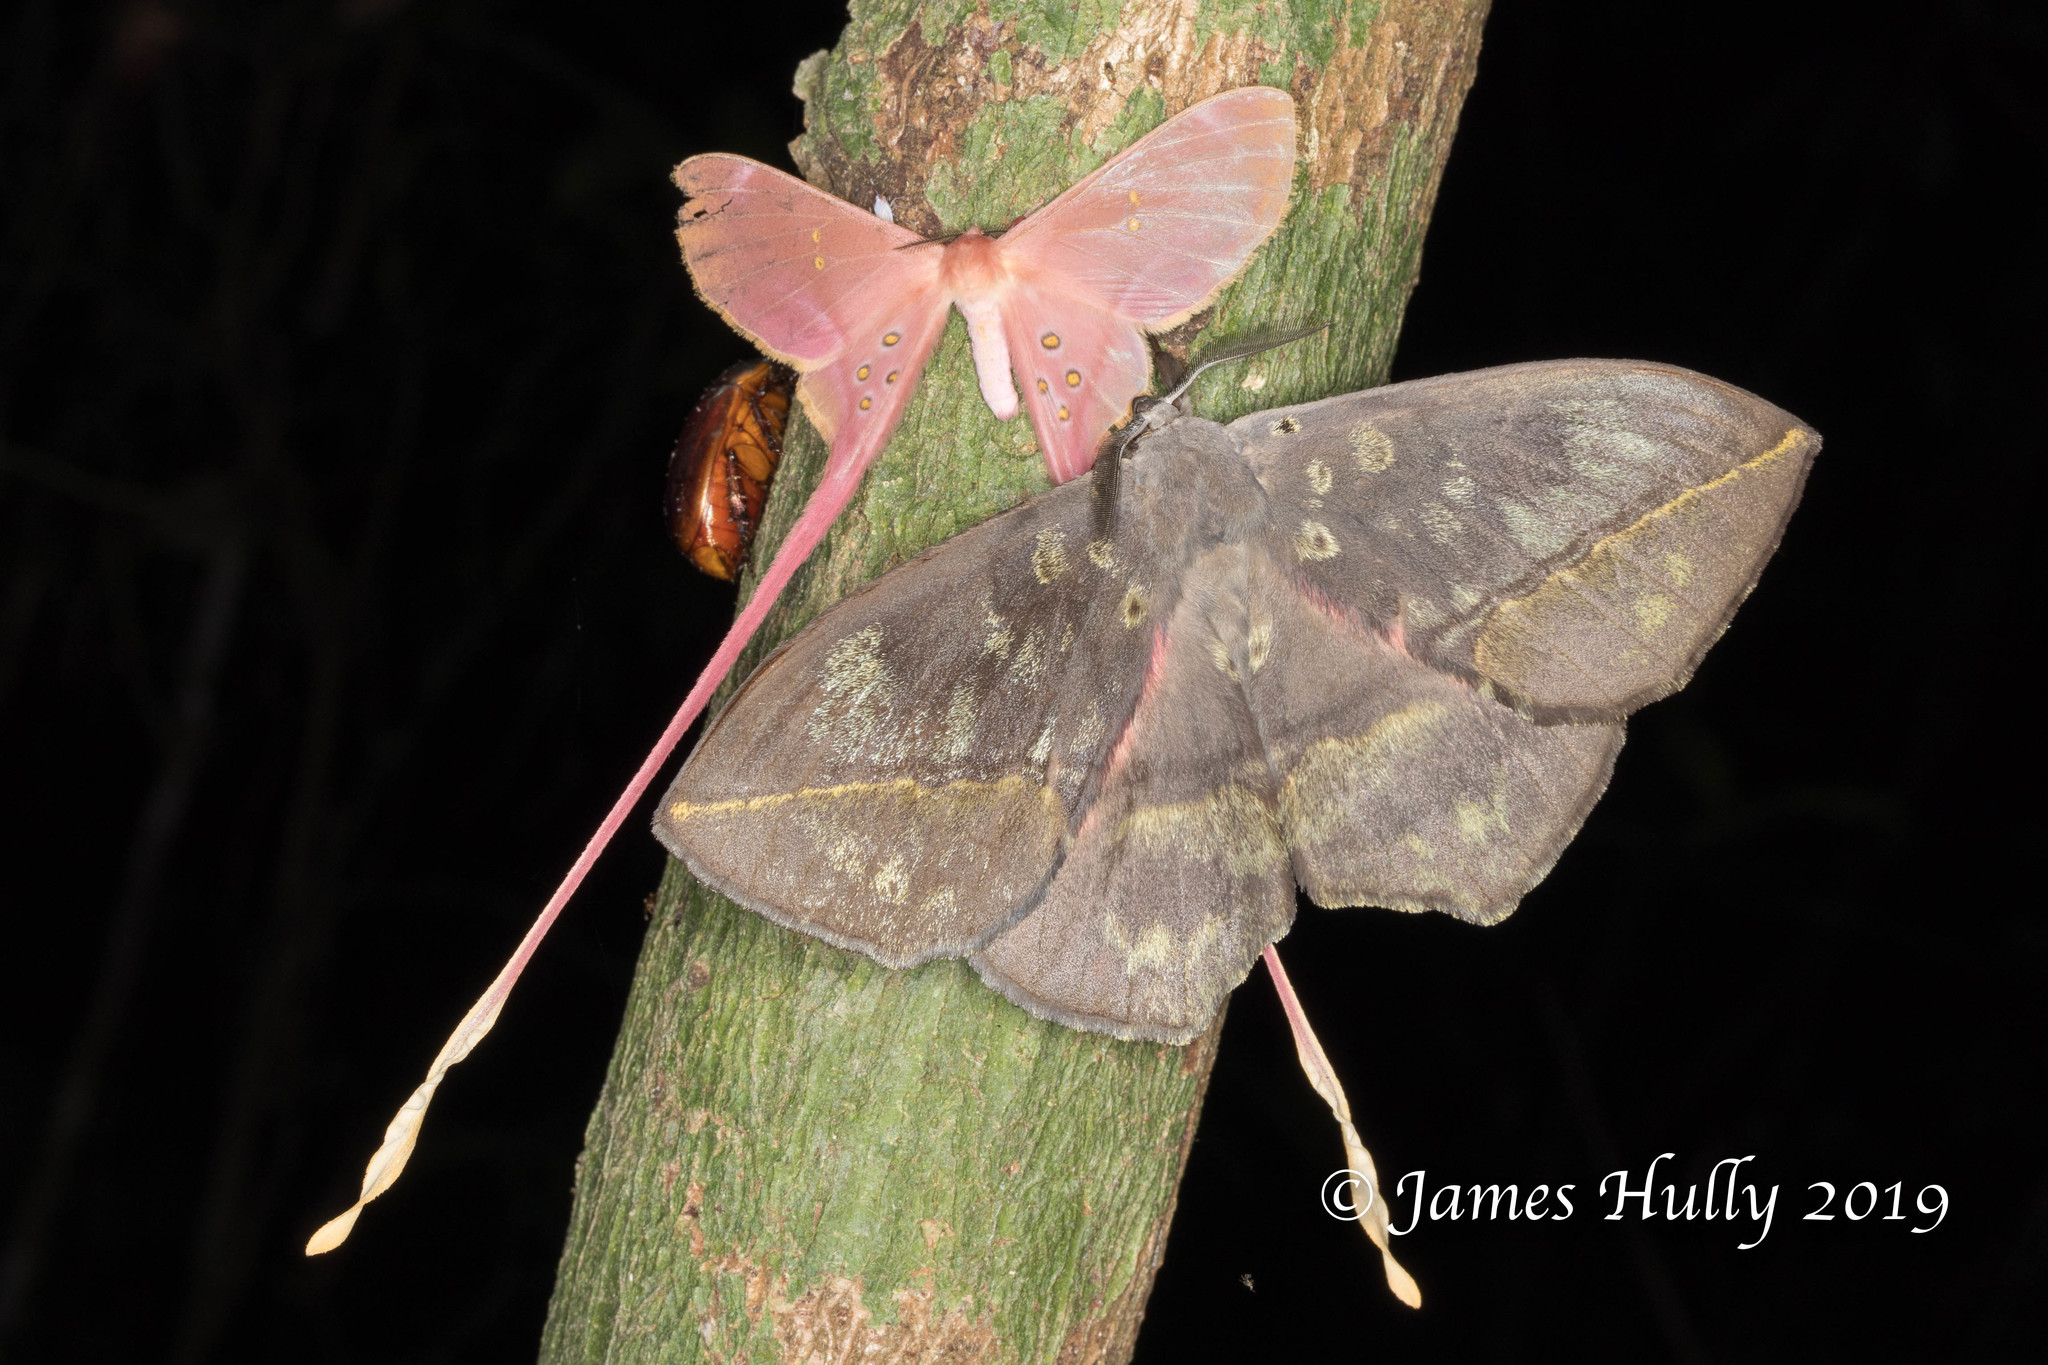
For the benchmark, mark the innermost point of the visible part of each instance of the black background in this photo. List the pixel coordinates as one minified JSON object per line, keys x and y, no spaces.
{"x":341,"y":346}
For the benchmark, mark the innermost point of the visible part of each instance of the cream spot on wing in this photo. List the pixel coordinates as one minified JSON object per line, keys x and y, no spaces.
{"x":1460,"y":490}
{"x":997,"y":641}
{"x":858,"y":690}
{"x":1067,"y":637}
{"x":1602,"y":445}
{"x":940,"y":904}
{"x":892,"y":881}
{"x":1678,"y":568}
{"x":1286,"y":426}
{"x":1219,"y":655}
{"x":963,"y":716}
{"x":1372,"y":448}
{"x":1538,"y":534}
{"x":845,"y":853}
{"x":1088,"y":733}
{"x":1464,"y":597}
{"x":1151,"y":950}
{"x":1441,"y":523}
{"x":1049,"y":560}
{"x":1101,"y":554}
{"x":1653,"y":609}
{"x":1168,"y":968}
{"x":1314,"y":541}
{"x":1422,"y":613}
{"x":1419,"y":846}
{"x":1029,"y":665}
{"x":1042,"y":748}
{"x":1134,"y":606}
{"x":1319,"y":477}
{"x":1259,"y":641}
{"x":1480,"y":823}
{"x":818,"y":262}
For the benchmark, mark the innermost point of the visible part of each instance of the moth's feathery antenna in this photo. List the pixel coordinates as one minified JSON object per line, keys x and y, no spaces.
{"x":1238,"y":350}
{"x":1150,"y":414}
{"x":1105,"y":482}
{"x":1316,"y":1065}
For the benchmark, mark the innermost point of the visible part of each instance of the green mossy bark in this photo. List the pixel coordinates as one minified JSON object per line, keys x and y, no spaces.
{"x":800,"y":1155}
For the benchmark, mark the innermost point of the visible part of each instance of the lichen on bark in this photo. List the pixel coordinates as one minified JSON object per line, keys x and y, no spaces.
{"x":800,"y":1155}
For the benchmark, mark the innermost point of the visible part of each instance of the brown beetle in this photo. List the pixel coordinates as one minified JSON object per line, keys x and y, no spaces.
{"x":719,"y":473}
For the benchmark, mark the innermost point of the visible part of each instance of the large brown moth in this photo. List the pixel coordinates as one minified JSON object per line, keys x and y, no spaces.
{"x":1380,"y":646}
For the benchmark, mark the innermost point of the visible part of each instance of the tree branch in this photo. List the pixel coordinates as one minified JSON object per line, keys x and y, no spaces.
{"x":799,"y":1154}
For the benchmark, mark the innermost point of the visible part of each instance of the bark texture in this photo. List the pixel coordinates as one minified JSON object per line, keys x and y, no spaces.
{"x":801,"y":1156}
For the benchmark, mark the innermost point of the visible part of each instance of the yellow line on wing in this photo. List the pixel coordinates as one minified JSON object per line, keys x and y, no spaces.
{"x":901,"y":786}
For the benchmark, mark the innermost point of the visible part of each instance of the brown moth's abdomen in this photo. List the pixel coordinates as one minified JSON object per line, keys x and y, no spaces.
{"x":719,"y":473}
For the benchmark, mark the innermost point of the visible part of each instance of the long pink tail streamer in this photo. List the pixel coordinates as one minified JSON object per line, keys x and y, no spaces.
{"x":841,"y":478}
{"x":1315,"y":1064}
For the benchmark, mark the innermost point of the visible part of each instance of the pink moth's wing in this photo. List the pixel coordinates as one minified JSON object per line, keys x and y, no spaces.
{"x":1155,"y":232}
{"x":1078,"y":368}
{"x":852,"y":302}
{"x":1139,"y":245}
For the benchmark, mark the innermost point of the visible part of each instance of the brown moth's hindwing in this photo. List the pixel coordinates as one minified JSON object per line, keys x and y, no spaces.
{"x":1399,"y":785}
{"x":1178,"y":876}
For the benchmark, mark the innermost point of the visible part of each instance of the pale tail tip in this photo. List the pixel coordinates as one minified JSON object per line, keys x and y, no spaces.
{"x":332,"y":1233}
{"x":1402,"y":1283}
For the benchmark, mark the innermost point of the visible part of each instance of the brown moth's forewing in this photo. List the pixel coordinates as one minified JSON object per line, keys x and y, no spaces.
{"x":1380,"y":646}
{"x":1573,"y":534}
{"x":719,"y":472}
{"x":901,"y":780}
